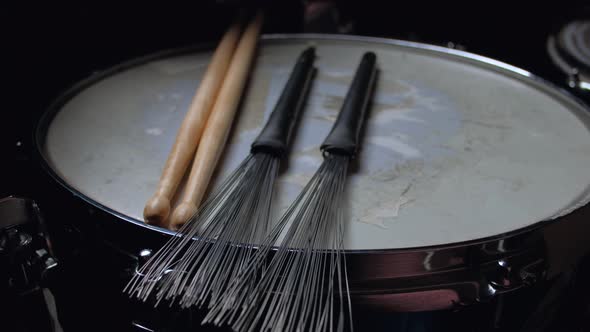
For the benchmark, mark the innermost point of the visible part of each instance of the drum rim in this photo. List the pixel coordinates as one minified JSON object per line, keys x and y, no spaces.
{"x":42,"y":125}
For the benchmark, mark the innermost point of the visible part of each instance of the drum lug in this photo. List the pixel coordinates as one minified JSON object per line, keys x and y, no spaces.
{"x":487,"y":291}
{"x":532,"y":273}
{"x":504,"y":278}
{"x":142,"y":257}
{"x":507,"y":276}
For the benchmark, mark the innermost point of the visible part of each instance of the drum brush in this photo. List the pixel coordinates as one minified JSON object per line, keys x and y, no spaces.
{"x":234,"y":218}
{"x":157,"y":209}
{"x":304,"y":287}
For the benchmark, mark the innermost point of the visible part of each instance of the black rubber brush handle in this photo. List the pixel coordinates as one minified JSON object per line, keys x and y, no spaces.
{"x":344,"y":137}
{"x":276,"y":134}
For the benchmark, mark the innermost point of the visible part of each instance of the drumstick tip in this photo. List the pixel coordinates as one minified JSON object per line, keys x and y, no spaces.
{"x":181,"y":214}
{"x":156,"y":210}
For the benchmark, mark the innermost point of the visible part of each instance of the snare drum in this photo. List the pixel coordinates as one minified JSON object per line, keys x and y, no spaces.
{"x":472,"y":179}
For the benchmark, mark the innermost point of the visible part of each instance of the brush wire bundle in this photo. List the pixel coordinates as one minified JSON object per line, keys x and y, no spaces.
{"x":304,"y":287}
{"x":236,"y":216}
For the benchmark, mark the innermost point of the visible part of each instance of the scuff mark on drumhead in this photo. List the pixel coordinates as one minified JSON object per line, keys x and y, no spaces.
{"x":395,"y":145}
{"x":154,"y":131}
{"x":388,"y":212}
{"x":386,"y":215}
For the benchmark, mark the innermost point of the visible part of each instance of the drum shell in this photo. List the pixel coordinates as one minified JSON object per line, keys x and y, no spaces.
{"x":98,"y":254}
{"x":405,"y":280}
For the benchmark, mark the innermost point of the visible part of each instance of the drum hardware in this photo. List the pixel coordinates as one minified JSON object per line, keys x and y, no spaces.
{"x":512,"y":273}
{"x":510,"y":264}
{"x":24,"y":245}
{"x":574,"y":80}
{"x":27,"y":264}
{"x":509,"y":278}
{"x":569,"y":49}
{"x":467,"y":288}
{"x":144,"y":256}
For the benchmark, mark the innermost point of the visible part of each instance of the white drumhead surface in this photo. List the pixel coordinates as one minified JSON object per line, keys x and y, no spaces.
{"x":454,"y":150}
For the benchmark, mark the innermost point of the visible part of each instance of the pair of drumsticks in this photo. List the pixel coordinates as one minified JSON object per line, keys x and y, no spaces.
{"x":205,"y":127}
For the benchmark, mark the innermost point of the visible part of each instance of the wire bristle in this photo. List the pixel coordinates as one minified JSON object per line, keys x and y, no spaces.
{"x":235,"y":218}
{"x":304,"y":287}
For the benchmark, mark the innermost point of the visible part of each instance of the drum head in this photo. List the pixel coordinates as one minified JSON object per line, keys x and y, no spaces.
{"x":457,"y":147}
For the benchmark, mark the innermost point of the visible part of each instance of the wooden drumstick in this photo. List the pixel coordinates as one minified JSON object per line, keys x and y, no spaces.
{"x":218,"y":125}
{"x":157,"y":209}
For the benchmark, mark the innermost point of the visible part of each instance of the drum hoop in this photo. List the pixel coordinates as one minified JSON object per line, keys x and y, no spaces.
{"x":42,"y":125}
